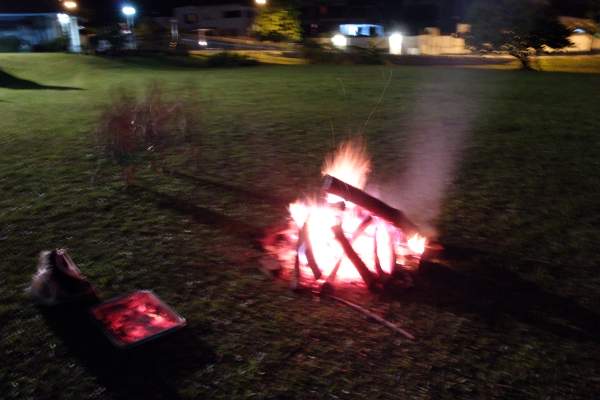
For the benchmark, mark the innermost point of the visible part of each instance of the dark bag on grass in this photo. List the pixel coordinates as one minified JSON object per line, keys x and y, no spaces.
{"x":58,"y":280}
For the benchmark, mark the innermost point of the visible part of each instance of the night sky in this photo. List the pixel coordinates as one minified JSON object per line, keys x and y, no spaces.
{"x":104,"y":11}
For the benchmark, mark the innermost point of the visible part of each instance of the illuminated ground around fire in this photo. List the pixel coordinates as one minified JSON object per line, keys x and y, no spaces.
{"x":509,"y":312}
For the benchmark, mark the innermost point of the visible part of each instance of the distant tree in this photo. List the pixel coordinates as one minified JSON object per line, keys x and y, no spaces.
{"x":150,"y":34}
{"x":279,"y":24}
{"x":519,"y":27}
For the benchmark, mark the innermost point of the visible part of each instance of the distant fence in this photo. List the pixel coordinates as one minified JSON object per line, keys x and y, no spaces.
{"x":414,"y":45}
{"x":435,"y":45}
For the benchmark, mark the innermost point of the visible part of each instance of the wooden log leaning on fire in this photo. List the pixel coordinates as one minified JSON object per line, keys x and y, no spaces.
{"x":310,"y":255}
{"x":355,"y":235}
{"x":376,"y":260}
{"x":360,"y":198}
{"x":295,"y":282}
{"x":362,"y":269}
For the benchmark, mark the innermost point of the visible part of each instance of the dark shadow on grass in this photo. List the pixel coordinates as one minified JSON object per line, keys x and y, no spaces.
{"x":244,"y":193}
{"x":500,"y":295}
{"x":163,"y":62}
{"x":179,"y":61}
{"x":9,"y":81}
{"x":146,"y":372}
{"x":203,"y":215}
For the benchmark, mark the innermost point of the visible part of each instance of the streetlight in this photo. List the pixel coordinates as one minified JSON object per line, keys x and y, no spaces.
{"x":70,"y":5}
{"x":395,"y":41}
{"x":260,"y":2}
{"x":129,"y":12}
{"x":339,"y":40}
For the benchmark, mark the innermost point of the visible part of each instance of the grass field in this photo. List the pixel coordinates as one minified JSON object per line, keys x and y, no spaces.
{"x":511,"y":313}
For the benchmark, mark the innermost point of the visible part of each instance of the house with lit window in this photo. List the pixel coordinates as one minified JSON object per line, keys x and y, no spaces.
{"x":21,"y":29}
{"x":412,"y":16}
{"x":233,"y":19}
{"x":354,"y":17}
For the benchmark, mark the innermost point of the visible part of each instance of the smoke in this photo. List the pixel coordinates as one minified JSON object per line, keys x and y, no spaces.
{"x":438,"y":131}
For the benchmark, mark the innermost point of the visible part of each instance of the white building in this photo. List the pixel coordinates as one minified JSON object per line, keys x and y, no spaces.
{"x":228,"y":20}
{"x":28,"y":31}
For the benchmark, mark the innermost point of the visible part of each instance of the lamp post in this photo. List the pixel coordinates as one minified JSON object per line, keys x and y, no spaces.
{"x":340,"y":41}
{"x":70,"y":5}
{"x":129,"y":12}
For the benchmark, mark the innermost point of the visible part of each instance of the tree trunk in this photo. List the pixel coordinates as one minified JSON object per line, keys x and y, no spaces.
{"x":525,"y":61}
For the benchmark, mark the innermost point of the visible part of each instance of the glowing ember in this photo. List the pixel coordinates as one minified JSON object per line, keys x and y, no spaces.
{"x":338,"y":240}
{"x":416,"y":244}
{"x":299,"y":213}
{"x":135,"y":318}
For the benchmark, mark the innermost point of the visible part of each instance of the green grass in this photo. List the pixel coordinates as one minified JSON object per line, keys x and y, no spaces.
{"x":516,"y":319}
{"x":583,"y":63}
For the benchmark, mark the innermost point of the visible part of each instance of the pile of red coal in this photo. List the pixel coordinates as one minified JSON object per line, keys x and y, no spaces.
{"x":346,"y":235}
{"x":136,"y":318}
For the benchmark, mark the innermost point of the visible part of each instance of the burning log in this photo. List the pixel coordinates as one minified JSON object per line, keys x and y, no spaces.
{"x":295,"y":283}
{"x":362,"y":269}
{"x":376,"y":257}
{"x":359,"y":231}
{"x":310,"y":255}
{"x":361,"y":228}
{"x":352,"y":194}
{"x":334,"y":271}
{"x":392,"y":254}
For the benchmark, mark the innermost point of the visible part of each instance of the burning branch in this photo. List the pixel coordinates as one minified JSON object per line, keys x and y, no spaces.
{"x":376,"y":260}
{"x":296,"y":275}
{"x":362,"y":269}
{"x":359,"y":231}
{"x":354,"y":195}
{"x":310,"y":255}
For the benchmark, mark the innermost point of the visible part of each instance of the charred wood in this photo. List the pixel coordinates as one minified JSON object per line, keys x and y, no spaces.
{"x":360,"y":198}
{"x":310,"y":255}
{"x":362,"y":269}
{"x":359,"y":231}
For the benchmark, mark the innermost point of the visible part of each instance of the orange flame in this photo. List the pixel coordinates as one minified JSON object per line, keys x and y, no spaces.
{"x":350,"y":163}
{"x":299,"y":212}
{"x":416,"y":244}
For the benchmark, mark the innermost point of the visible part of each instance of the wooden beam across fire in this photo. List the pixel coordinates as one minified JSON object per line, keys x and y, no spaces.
{"x":377,"y":207}
{"x":310,"y":255}
{"x":358,"y":263}
{"x":355,"y":235}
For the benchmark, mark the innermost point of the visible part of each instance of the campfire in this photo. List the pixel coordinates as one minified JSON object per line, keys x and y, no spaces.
{"x":345,"y":235}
